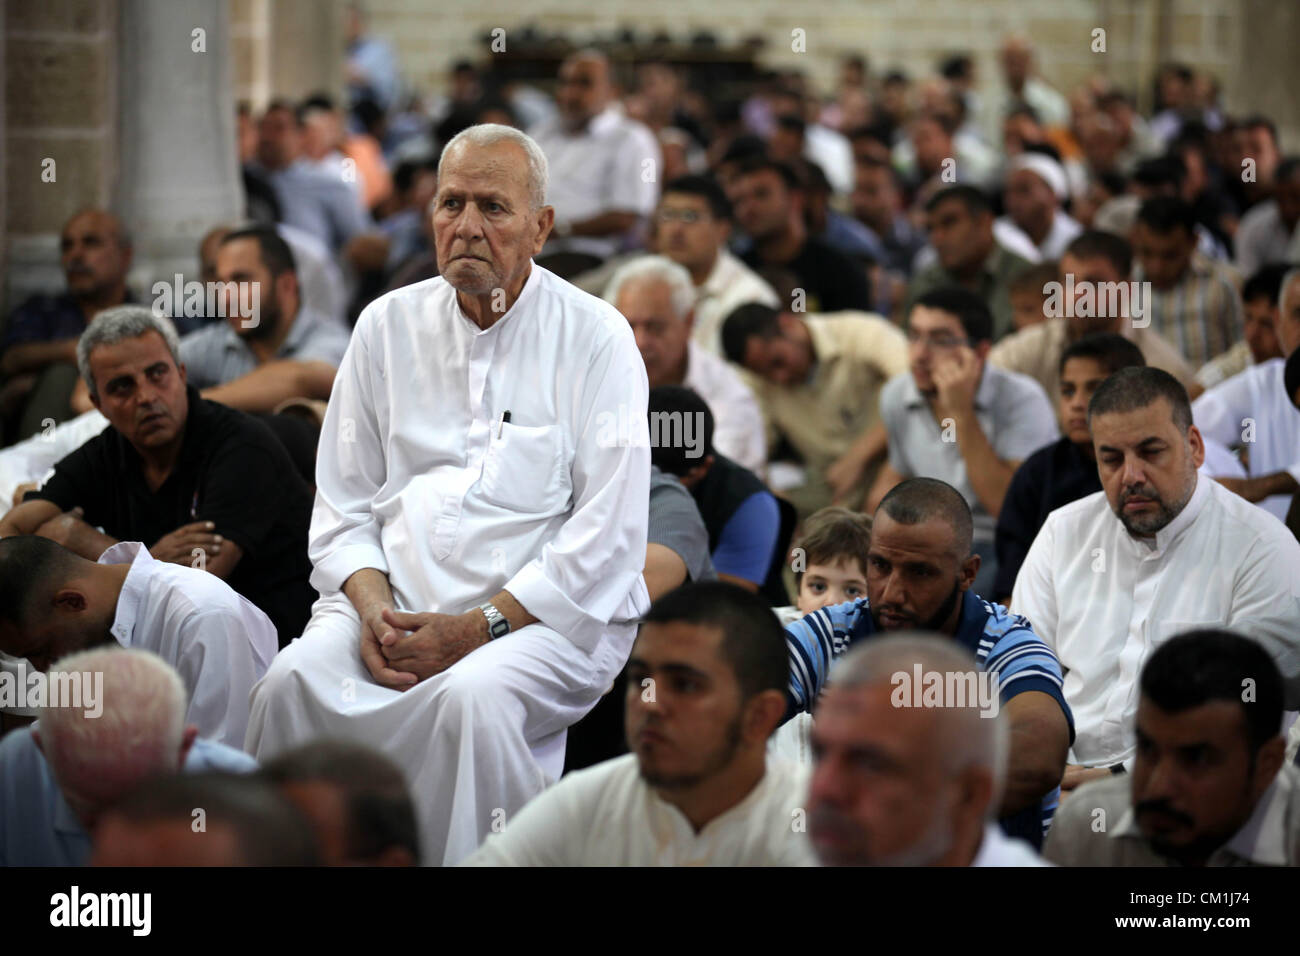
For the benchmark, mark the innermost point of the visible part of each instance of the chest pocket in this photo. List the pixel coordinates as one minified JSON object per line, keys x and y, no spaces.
{"x":525,"y":470}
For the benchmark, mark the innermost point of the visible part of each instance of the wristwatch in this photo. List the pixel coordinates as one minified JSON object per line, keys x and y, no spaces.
{"x":498,"y":626}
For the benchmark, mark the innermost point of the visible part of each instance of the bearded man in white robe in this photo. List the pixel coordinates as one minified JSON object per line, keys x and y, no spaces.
{"x":480,"y":522}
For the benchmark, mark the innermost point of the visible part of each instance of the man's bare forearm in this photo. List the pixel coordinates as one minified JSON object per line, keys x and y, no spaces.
{"x":989,"y":476}
{"x":30,"y":356}
{"x":264,"y":388}
{"x":367,"y":587}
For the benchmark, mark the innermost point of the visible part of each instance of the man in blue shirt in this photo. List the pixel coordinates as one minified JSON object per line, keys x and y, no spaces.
{"x":919,"y":574}
{"x":57,"y":776}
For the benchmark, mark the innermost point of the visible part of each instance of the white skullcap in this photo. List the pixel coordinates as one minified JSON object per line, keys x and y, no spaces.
{"x":1046,"y":168}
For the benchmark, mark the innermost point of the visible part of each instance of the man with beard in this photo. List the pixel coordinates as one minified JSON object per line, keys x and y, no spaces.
{"x":919,"y":575}
{"x":1209,"y":787}
{"x":199,"y":484}
{"x":279,"y":349}
{"x":704,"y":693}
{"x":1155,"y":553}
{"x":895,"y":784}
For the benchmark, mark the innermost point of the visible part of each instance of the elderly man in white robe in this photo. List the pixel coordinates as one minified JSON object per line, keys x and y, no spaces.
{"x":480,"y":523}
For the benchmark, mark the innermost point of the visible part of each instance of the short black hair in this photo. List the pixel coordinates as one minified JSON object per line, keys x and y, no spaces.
{"x":268,"y":828}
{"x":1291,"y":376}
{"x":968,"y":308}
{"x":31,"y":567}
{"x":707,"y":188}
{"x":744,"y":147}
{"x":668,"y":400}
{"x":274,"y":251}
{"x":917,"y":500}
{"x":1288,"y":167}
{"x":784,"y":171}
{"x":1201,"y":666}
{"x":1132,"y":388}
{"x":380,"y":812}
{"x":973,"y":198}
{"x":1258,"y":120}
{"x":1096,"y":244}
{"x":1165,"y":214}
{"x":1265,"y":283}
{"x":745,"y":322}
{"x":955,"y":67}
{"x":1108,"y":349}
{"x":753,"y":641}
{"x":1161,"y":171}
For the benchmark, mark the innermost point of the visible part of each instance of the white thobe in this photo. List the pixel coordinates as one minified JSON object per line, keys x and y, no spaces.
{"x":730,"y":285}
{"x":738,"y":429}
{"x":1103,"y":600}
{"x":1063,"y":231}
{"x":607,"y":815}
{"x":1252,"y":409}
{"x":419,"y":477}
{"x":998,"y":849}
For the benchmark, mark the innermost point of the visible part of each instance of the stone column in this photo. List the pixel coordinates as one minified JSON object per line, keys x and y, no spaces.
{"x":178,"y":171}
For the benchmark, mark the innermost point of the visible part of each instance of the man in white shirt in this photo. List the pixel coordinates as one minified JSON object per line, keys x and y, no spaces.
{"x":904,"y":777}
{"x":54,"y":603}
{"x":1266,"y":231}
{"x":692,"y":226}
{"x":1209,"y":785}
{"x":1156,"y":553}
{"x":657,"y":298}
{"x":604,"y":167}
{"x":1035,"y":188}
{"x":480,"y":523}
{"x":705,"y":690}
{"x":1253,"y":409}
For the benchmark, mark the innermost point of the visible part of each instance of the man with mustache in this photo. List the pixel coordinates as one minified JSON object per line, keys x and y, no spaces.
{"x":38,"y":354}
{"x":901,"y":785}
{"x":1157,"y":552}
{"x":1209,"y":786}
{"x":920,"y":570}
{"x":704,"y":693}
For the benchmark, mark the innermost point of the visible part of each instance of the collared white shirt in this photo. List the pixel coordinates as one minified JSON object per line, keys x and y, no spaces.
{"x":218,"y":640}
{"x":418,"y":475}
{"x":998,"y":849}
{"x":613,"y":165}
{"x":607,"y":815}
{"x":738,"y":430}
{"x":730,"y":285}
{"x":1104,"y":600}
{"x":1252,"y":409}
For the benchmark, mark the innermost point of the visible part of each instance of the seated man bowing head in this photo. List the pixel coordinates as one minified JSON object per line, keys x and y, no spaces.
{"x":480,"y":528}
{"x":704,"y":693}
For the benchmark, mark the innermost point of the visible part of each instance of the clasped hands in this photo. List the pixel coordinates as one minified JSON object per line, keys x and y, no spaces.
{"x":401,"y":649}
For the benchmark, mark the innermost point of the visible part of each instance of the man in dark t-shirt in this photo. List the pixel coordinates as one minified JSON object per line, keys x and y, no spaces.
{"x":768,"y":199}
{"x":198,"y":483}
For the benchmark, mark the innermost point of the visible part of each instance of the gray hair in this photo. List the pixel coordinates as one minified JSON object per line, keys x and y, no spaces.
{"x":489,"y":134}
{"x":122,"y":322}
{"x":966,"y":738}
{"x":662,"y":269}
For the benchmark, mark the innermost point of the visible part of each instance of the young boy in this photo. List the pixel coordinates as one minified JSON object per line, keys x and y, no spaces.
{"x":830,"y":561}
{"x":1027,"y":296}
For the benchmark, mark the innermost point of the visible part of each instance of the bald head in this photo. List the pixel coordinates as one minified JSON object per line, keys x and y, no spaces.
{"x":918,"y":500}
{"x":937,"y":764}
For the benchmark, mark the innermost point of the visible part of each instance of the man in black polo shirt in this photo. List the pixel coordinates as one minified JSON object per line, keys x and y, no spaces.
{"x":1065,"y":470}
{"x":199,"y":483}
{"x":742,"y":517}
{"x":768,"y":198}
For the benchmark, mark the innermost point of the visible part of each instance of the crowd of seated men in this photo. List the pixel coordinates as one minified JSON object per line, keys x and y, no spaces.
{"x":894,"y":477}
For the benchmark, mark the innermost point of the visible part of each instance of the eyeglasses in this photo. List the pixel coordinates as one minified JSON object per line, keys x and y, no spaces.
{"x":688,"y":216}
{"x":942,"y":340}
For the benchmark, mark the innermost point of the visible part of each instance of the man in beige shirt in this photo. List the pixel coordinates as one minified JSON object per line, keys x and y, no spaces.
{"x":818,"y":379}
{"x":1094,"y":259}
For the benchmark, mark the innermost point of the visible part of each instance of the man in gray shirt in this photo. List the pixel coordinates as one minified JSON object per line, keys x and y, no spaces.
{"x":278,"y":351}
{"x":956,"y":418}
{"x":677,"y":551}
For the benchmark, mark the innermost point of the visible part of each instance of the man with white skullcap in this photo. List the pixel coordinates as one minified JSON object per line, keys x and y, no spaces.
{"x":1036,"y":186}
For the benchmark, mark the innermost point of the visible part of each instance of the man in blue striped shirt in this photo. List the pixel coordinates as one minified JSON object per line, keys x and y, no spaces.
{"x":919,"y":573}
